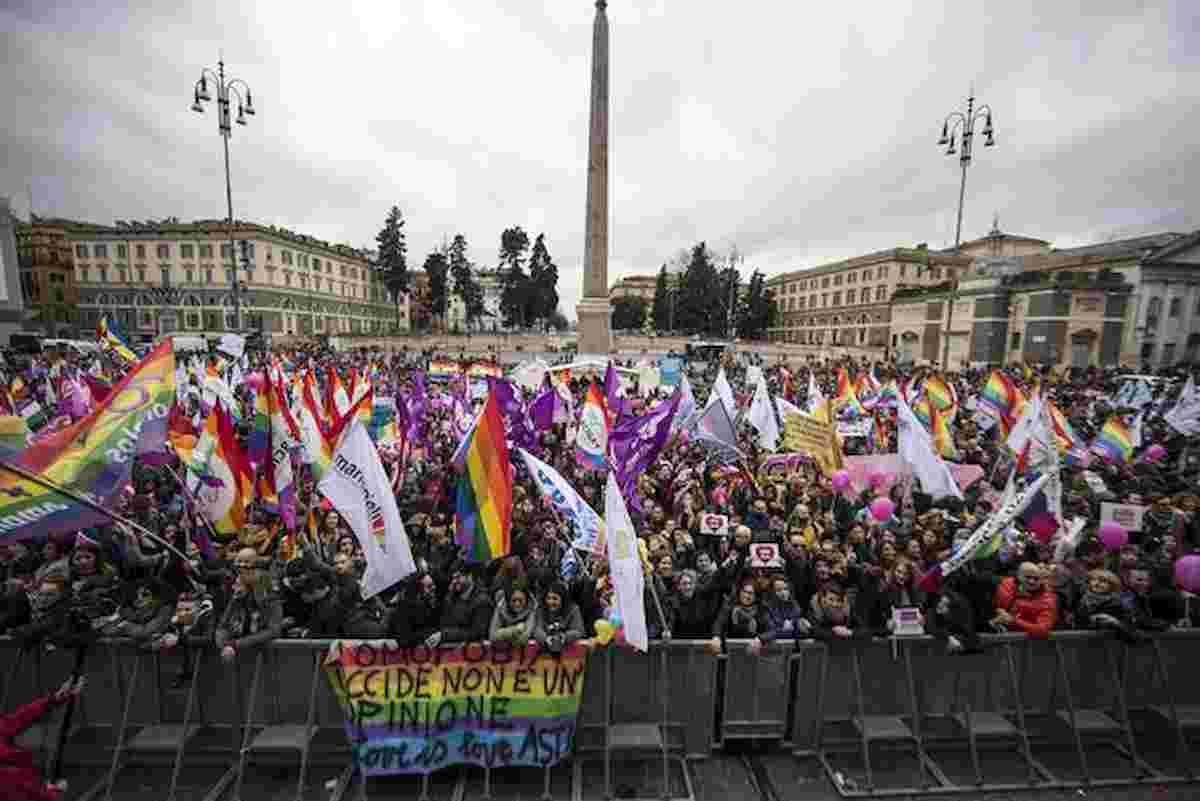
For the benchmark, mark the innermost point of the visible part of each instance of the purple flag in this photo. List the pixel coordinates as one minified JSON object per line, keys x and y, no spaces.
{"x":636,"y":442}
{"x":617,"y":406}
{"x":512,"y":409}
{"x":543,"y":408}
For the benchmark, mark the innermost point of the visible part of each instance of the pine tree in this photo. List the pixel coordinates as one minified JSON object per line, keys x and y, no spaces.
{"x":466,"y":286}
{"x":628,"y":313}
{"x":543,"y":279}
{"x":514,"y":283}
{"x":699,"y":302}
{"x":660,"y":312}
{"x":439,"y":298}
{"x":392,"y":261}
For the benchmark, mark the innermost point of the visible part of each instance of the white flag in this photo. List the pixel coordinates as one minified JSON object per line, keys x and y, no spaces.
{"x":723,"y":391}
{"x":1185,"y":416}
{"x":588,"y":526}
{"x":358,"y":487}
{"x":915,"y":447}
{"x":762,"y":416}
{"x":625,"y":566}
{"x":687,"y":404}
{"x":815,"y":398}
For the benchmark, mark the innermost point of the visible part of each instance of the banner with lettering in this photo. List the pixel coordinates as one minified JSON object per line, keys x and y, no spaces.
{"x":417,"y":710}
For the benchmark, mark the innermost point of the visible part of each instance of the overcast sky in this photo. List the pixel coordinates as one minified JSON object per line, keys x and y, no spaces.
{"x":799,"y":132}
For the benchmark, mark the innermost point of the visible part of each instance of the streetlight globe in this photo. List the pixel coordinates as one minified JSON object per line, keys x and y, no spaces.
{"x":196,"y":107}
{"x":945,"y":135}
{"x":249,"y":103}
{"x":203,"y":93}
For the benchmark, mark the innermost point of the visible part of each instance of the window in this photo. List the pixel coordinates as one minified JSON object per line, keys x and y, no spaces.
{"x":1176,"y":304}
{"x":83,"y":274}
{"x":104,"y":275}
{"x":354,"y":273}
{"x":851,"y":277}
{"x":902,"y":267}
{"x":866,"y":276}
{"x":100,"y":251}
{"x":285,"y":256}
{"x":883,"y":272}
{"x":287,"y":278}
{"x":208,"y":275}
{"x":122,"y":252}
{"x":837,"y":280}
{"x":124,"y":276}
{"x":189,"y":275}
{"x":1168,"y":354}
{"x":316,"y":265}
{"x":141,"y":251}
{"x":342,"y":267}
{"x":81,"y":251}
{"x":191,"y":319}
{"x":185,"y":251}
{"x":165,"y":273}
{"x":229,"y":276}
{"x":250,"y":249}
{"x":880,"y":293}
{"x":824,"y":283}
{"x":304,"y":282}
{"x":206,"y":251}
{"x":142,"y":274}
{"x":849,"y":297}
{"x":226,"y":251}
{"x":164,"y":251}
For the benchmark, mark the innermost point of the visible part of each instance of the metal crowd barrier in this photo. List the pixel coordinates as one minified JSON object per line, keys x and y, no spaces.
{"x":882,"y":718}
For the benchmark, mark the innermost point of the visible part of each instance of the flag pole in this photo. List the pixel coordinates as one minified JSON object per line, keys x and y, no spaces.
{"x":192,"y":500}
{"x":50,"y":485}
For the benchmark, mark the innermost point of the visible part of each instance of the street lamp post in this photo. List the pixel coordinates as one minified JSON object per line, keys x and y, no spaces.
{"x":225,"y":88}
{"x":958,"y":131}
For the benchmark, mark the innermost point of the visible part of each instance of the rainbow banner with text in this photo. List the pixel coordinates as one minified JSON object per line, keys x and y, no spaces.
{"x":417,"y":710}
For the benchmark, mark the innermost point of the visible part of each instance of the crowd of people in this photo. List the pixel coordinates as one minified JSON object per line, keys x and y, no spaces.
{"x":840,"y":572}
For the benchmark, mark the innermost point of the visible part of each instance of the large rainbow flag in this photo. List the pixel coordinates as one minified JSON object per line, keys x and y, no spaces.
{"x":943,"y":437}
{"x":483,"y":508}
{"x":845,"y":397}
{"x":112,"y":338}
{"x":941,"y":394}
{"x":1114,"y":442}
{"x":93,"y":456}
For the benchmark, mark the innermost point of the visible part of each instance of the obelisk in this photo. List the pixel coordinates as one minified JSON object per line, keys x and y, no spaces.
{"x":595,"y":312}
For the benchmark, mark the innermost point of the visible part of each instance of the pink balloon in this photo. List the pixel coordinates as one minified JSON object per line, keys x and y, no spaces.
{"x":1187,"y":573}
{"x":1154,"y":453}
{"x":876,"y":479}
{"x":882,"y":508}
{"x":1042,"y":527}
{"x":1113,"y":535}
{"x":841,"y":480}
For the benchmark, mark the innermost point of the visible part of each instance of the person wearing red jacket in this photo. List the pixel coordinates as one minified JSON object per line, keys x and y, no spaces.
{"x":18,"y":777}
{"x":1024,"y":603}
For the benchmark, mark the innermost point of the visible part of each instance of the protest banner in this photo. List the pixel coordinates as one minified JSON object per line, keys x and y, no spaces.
{"x":485,"y":370}
{"x":1127,"y":514}
{"x":671,"y":372}
{"x":493,"y":705}
{"x":443,"y":369}
{"x":855,"y":428}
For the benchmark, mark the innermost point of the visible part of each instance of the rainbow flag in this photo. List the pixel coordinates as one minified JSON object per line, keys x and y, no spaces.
{"x":1114,"y":443}
{"x":483,"y":508}
{"x":943,"y":437}
{"x":1064,"y":434}
{"x":591,"y":440}
{"x":113,"y":338}
{"x":889,"y":395}
{"x":845,"y":396}
{"x":998,"y":395}
{"x":940,"y":393}
{"x":14,"y":434}
{"x":93,"y":456}
{"x":923,"y":411}
{"x":223,"y":481}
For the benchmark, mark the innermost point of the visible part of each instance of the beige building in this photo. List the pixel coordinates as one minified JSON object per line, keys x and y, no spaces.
{"x":162,"y":276}
{"x":1131,"y":302}
{"x":635,"y":286}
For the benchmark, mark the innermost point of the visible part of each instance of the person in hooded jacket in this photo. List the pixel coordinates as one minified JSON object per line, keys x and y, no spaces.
{"x":20,"y":780}
{"x":784,"y":618}
{"x":514,"y":617}
{"x":466,"y":611}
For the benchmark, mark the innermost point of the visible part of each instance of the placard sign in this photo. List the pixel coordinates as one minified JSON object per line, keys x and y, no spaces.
{"x":907,"y":621}
{"x":416,"y":710}
{"x":1127,"y":514}
{"x":714,"y":524}
{"x":765,"y":555}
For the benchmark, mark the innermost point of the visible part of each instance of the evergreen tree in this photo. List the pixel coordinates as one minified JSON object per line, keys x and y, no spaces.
{"x":628,"y":313}
{"x":438,"y":299}
{"x":514,"y":283}
{"x":729,"y":303}
{"x":543,"y":279}
{"x":757,"y":313}
{"x":660,"y":313}
{"x":466,"y":286}
{"x":698,"y":305}
{"x":392,"y":261}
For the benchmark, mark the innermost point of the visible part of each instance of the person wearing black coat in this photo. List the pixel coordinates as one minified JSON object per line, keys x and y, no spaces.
{"x":694,"y":606}
{"x":416,"y":616}
{"x":952,"y":620}
{"x":466,"y":612}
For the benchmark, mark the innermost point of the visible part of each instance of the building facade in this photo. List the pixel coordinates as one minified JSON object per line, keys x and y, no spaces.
{"x":634,"y":286}
{"x":12,"y":305}
{"x":1134,"y":302}
{"x":159,"y":277}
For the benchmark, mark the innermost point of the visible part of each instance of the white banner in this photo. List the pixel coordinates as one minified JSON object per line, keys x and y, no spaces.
{"x":232,"y":344}
{"x":625,"y":566}
{"x":589,"y":526}
{"x":855,"y":428}
{"x":1126,"y":514}
{"x":358,"y":487}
